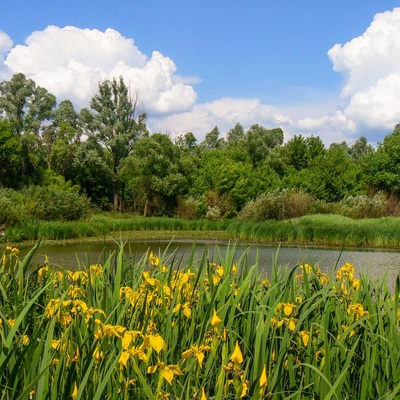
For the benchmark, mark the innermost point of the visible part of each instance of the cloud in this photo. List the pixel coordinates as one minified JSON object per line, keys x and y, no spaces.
{"x":370,"y":65}
{"x":5,"y":45}
{"x":224,"y":113}
{"x":70,"y":62}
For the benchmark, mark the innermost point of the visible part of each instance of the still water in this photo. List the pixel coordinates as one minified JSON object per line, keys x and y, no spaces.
{"x":375,"y":262}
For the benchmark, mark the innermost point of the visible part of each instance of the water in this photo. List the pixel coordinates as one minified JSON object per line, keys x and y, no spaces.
{"x":375,"y":262}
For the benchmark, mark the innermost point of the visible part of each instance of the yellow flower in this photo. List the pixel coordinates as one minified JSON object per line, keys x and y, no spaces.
{"x":25,"y":340}
{"x":357,"y":310}
{"x":215,"y":320}
{"x":129,"y":337}
{"x":108,"y":330}
{"x":98,"y":355}
{"x":245,"y":388}
{"x":154,"y":260}
{"x":167,"y":371}
{"x":347,"y":271}
{"x":264,"y":378}
{"x":156,"y":342}
{"x":203,"y":394}
{"x":13,"y":250}
{"x":75,"y":392}
{"x":237,"y":356}
{"x":305,"y":337}
{"x":187,"y":311}
{"x":124,"y":357}
{"x":288,"y":308}
{"x":197,"y":352}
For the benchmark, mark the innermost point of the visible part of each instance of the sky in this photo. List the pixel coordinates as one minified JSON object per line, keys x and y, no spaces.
{"x":324,"y":68}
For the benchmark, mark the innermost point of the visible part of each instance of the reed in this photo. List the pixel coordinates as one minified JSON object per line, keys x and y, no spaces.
{"x":211,"y":329}
{"x":328,"y":230}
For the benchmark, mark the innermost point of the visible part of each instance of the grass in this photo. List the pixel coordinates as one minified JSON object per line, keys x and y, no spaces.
{"x":211,"y":329}
{"x":324,"y":230}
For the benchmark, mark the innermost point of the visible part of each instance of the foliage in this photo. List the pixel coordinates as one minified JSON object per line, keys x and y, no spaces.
{"x":115,"y":122}
{"x":25,"y":105}
{"x":363,"y":206}
{"x":278,"y":204}
{"x":56,"y":201}
{"x":210,"y":329}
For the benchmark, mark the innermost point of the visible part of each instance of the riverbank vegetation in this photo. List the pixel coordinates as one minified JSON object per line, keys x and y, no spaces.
{"x":210,"y":329}
{"x":60,"y":164}
{"x":317,"y":230}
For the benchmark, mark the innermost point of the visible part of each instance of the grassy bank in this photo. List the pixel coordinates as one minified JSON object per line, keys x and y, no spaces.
{"x":325,"y":230}
{"x":206,"y":330}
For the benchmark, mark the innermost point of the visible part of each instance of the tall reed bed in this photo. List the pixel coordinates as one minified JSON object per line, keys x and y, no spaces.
{"x":211,"y":329}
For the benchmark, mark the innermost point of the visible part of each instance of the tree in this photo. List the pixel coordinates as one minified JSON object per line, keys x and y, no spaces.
{"x":260,"y":141}
{"x":360,"y":148}
{"x":186,"y":141}
{"x":152,"y":174}
{"x":61,"y":138}
{"x":333,"y":176}
{"x":299,"y":152}
{"x":236,"y":134}
{"x":212,"y":140}
{"x":25,"y":105}
{"x":10,"y":156}
{"x":116,"y":122}
{"x":381,"y":169}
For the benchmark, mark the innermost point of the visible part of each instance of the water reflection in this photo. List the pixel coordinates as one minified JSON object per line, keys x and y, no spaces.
{"x":376,"y":262}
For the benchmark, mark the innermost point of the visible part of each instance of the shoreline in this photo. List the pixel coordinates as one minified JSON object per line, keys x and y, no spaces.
{"x":180,"y":235}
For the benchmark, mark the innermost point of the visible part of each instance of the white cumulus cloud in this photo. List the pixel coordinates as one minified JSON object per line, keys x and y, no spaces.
{"x":5,"y":45}
{"x":224,"y":113}
{"x":70,"y":62}
{"x":370,"y":65}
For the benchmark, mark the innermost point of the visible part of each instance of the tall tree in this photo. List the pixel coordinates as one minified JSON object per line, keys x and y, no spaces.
{"x":153,"y":173}
{"x":260,"y":141}
{"x":115,"y":121}
{"x":25,"y":105}
{"x":212,"y":139}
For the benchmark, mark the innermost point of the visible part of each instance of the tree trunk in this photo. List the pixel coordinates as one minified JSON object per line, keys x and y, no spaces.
{"x":115,"y":192}
{"x":146,"y":208}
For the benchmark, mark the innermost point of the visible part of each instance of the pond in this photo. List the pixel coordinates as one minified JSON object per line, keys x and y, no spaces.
{"x":375,"y":262}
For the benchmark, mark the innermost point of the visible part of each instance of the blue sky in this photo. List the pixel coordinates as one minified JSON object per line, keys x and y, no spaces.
{"x":219,"y":62}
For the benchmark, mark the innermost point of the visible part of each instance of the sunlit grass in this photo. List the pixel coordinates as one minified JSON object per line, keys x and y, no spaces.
{"x":210,"y":329}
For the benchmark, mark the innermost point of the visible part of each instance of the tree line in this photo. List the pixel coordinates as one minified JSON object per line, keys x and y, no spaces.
{"x":106,"y":153}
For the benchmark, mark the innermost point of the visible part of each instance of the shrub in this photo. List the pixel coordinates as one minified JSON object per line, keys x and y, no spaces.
{"x":191,"y":208}
{"x":278,"y":204}
{"x":363,"y":206}
{"x":57,"y":201}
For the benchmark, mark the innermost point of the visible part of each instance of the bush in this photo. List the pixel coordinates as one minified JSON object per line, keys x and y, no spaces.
{"x":191,"y":208}
{"x":363,"y":206}
{"x":57,"y":201}
{"x":279,"y":204}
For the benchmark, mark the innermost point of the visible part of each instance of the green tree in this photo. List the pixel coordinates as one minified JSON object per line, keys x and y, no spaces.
{"x":25,"y":105}
{"x":60,"y":139}
{"x":361,"y":148}
{"x":333,"y":176}
{"x":10,"y":156}
{"x":260,"y":141}
{"x":186,"y":141}
{"x":91,"y":171}
{"x":153,"y":176}
{"x":236,"y":134}
{"x":212,"y":139}
{"x":381,"y":169}
{"x":116,"y":122}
